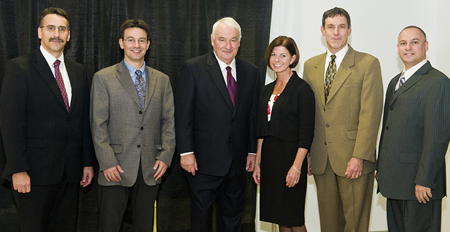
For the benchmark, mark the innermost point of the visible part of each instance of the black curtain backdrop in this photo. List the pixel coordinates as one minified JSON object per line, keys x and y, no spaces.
{"x":180,"y":29}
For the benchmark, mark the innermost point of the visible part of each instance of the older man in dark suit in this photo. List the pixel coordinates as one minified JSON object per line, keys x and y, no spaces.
{"x":45,"y":128}
{"x":215,"y":103}
{"x":414,"y":139}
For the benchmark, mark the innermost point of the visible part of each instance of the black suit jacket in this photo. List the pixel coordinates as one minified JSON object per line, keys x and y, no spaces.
{"x":415,"y":135}
{"x":220,"y":135}
{"x":293,"y":113}
{"x":39,"y":135}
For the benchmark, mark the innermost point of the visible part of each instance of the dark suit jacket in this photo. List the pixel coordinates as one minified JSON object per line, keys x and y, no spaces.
{"x":415,"y":135}
{"x":219,"y":134}
{"x":39,"y":135}
{"x":293,"y":113}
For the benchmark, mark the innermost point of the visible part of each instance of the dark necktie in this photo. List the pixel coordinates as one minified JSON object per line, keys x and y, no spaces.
{"x":140,"y":87}
{"x":60,"y":82}
{"x":331,"y":72}
{"x":231,"y":85}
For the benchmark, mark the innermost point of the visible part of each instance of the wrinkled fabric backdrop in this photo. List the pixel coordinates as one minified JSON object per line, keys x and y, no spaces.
{"x":180,"y":29}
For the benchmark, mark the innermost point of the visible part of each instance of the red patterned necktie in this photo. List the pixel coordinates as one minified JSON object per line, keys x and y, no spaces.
{"x":231,"y":85}
{"x":60,"y":82}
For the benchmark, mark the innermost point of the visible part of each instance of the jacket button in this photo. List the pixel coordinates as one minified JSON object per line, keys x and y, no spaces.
{"x":324,"y":109}
{"x":325,"y":143}
{"x":138,"y":146}
{"x":142,"y":128}
{"x":328,"y":125}
{"x":387,"y":128}
{"x":68,"y":119}
{"x":391,"y":108}
{"x":230,"y":138}
{"x":140,"y":111}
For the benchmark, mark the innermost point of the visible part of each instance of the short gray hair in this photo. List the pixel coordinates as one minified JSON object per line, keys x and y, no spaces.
{"x":228,"y":21}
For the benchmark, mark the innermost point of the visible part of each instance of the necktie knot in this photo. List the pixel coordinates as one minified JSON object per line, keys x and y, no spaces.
{"x":138,"y":72}
{"x":333,"y":57}
{"x":56,"y":64}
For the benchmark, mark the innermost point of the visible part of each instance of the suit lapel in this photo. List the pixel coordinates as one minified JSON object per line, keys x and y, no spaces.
{"x":344,"y":71}
{"x":45,"y":72}
{"x":74,"y":82}
{"x":319,"y":81}
{"x":150,"y":81}
{"x":241,"y":73}
{"x":417,"y":76}
{"x":215,"y":73}
{"x":125,"y":79}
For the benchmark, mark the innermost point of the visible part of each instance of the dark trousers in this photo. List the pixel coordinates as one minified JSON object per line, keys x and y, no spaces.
{"x":412,"y":216}
{"x":113,"y":203}
{"x":229,"y":191}
{"x":48,"y":208}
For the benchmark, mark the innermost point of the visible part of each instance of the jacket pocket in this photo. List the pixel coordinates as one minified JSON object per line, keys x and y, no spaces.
{"x":352,"y":134}
{"x":117,"y":148}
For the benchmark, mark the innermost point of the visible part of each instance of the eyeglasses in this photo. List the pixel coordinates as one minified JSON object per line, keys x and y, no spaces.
{"x":133,"y":40}
{"x":61,"y":29}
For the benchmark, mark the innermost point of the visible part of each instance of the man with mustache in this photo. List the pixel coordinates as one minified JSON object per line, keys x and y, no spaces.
{"x":133,"y":129}
{"x":45,"y":129}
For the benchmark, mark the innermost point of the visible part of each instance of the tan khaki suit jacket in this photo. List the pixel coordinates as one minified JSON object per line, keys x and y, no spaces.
{"x":347,"y":124}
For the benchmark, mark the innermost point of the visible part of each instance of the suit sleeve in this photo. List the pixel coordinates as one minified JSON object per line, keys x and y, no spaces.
{"x":370,"y":113}
{"x":13,"y":118}
{"x":253,"y":114}
{"x":184,"y":113}
{"x":99,"y":116}
{"x":88,"y":157}
{"x":167,"y":126}
{"x":436,"y":133}
{"x":307,"y":112}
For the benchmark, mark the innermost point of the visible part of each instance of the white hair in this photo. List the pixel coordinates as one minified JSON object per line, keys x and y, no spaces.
{"x":227,"y":21}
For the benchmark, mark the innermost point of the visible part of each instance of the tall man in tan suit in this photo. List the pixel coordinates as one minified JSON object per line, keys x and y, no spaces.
{"x":349,"y":96}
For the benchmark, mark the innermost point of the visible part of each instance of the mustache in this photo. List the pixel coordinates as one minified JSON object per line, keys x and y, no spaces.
{"x":57,"y":39}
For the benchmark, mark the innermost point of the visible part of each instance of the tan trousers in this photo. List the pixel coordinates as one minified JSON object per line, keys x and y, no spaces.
{"x":344,"y":204}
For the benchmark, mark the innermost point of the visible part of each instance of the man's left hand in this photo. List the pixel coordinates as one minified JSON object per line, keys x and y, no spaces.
{"x":251,"y":159}
{"x":88,"y":174}
{"x":160,"y":168}
{"x":423,"y":194}
{"x":354,"y":168}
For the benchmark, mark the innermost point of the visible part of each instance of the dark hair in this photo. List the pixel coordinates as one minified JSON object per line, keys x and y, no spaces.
{"x":416,"y":27}
{"x":132,"y":23}
{"x":331,"y":13}
{"x":286,"y":42}
{"x":57,"y":11}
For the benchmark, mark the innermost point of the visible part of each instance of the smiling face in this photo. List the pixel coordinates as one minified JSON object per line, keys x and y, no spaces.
{"x":226,"y":43}
{"x":53,"y":41}
{"x":134,"y":44}
{"x":412,"y":47}
{"x":281,"y":59}
{"x":336,"y":33}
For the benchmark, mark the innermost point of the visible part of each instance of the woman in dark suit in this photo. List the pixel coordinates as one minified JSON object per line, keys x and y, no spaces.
{"x":285,"y":129}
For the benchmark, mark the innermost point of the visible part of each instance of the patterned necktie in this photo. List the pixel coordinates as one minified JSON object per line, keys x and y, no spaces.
{"x":331,"y":72}
{"x":60,"y":82}
{"x":140,"y":87}
{"x":231,"y":85}
{"x":402,"y":81}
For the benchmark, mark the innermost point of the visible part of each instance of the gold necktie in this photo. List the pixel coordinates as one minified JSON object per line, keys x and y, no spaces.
{"x":331,"y":72}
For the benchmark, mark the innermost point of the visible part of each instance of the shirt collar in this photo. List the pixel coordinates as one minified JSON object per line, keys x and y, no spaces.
{"x":223,"y":65}
{"x":413,"y":69}
{"x":340,"y":54}
{"x":50,"y":58}
{"x":132,"y":69}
